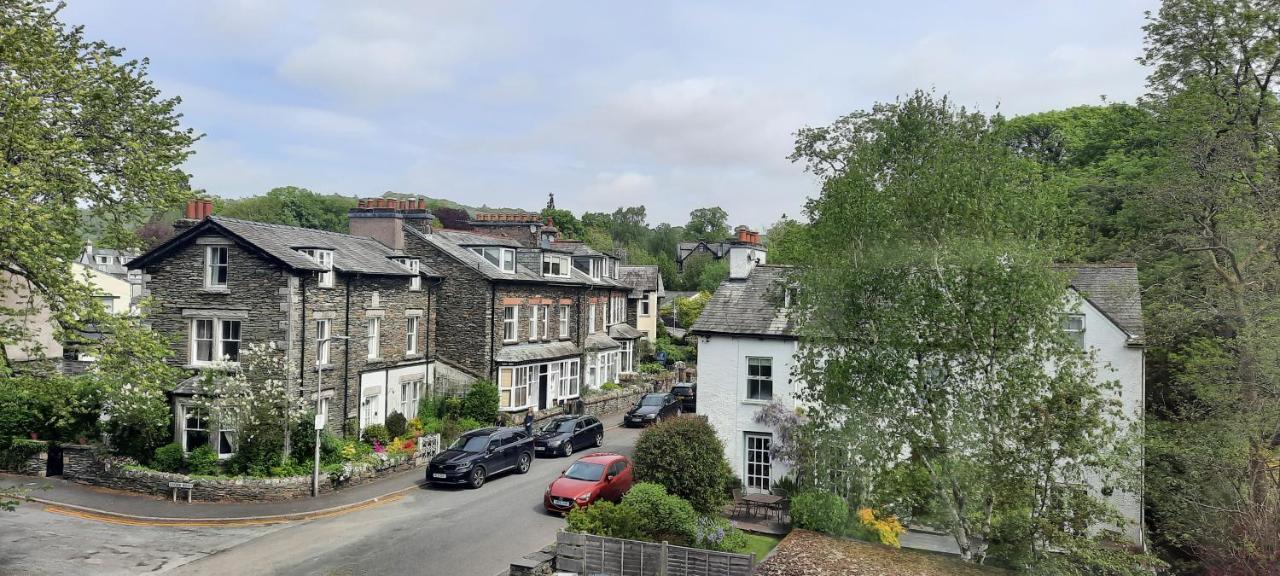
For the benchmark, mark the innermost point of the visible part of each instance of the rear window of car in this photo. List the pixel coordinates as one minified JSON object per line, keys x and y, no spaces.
{"x":683,"y":390}
{"x":653,"y":400}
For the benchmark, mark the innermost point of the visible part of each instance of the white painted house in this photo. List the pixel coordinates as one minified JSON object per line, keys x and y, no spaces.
{"x":746,"y":347}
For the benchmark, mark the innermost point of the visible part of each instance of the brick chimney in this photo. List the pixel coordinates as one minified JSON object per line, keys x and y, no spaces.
{"x":383,"y":219}
{"x":197,"y":209}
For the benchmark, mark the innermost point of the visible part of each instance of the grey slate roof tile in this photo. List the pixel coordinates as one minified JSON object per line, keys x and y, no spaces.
{"x":600,"y":341}
{"x":624,"y":332}
{"x":524,"y":353}
{"x":640,"y":279}
{"x":750,"y":306}
{"x":1113,"y":288}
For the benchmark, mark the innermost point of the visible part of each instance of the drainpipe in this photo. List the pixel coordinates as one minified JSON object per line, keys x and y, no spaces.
{"x":493,"y":318}
{"x":302,"y":337}
{"x":346,"y":362}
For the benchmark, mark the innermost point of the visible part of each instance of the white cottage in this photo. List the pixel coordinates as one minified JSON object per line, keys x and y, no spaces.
{"x":746,"y":348}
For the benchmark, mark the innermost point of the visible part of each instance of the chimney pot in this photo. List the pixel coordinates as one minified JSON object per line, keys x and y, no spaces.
{"x":191,"y":210}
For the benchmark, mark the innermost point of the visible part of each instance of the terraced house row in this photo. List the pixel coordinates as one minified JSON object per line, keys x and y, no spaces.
{"x":374,"y":320}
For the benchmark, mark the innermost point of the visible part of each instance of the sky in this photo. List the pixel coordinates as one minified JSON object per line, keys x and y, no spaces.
{"x":672,"y":105}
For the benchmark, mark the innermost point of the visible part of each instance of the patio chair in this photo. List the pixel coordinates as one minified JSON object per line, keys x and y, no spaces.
{"x":738,"y":502}
{"x":781,"y":507}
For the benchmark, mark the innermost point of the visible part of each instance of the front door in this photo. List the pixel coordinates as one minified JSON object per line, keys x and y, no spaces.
{"x":542,"y":387}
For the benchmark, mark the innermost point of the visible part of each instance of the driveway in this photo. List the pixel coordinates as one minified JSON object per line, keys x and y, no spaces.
{"x":431,"y":530}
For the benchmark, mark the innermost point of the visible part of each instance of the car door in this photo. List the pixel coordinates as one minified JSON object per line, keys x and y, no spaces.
{"x":671,"y":408}
{"x":495,"y":460}
{"x":593,"y":427}
{"x":510,"y":449}
{"x":617,"y":484}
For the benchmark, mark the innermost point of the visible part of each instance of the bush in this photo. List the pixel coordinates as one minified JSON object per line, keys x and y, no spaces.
{"x":169,"y":458}
{"x":396,"y":424}
{"x":651,"y":368}
{"x":685,"y":456}
{"x":715,"y":533}
{"x":375,"y":432}
{"x":882,"y":528}
{"x":414,"y":428}
{"x":451,"y":407}
{"x":481,"y":402}
{"x":603,"y":518}
{"x":663,"y":516}
{"x":819,"y":511}
{"x":203,"y":461}
{"x":428,"y":407}
{"x":610,"y":387}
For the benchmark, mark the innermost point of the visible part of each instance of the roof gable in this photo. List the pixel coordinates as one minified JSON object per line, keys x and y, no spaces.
{"x":749,"y":306}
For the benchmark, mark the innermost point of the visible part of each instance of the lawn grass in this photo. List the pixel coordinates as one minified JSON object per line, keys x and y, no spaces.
{"x":759,"y":545}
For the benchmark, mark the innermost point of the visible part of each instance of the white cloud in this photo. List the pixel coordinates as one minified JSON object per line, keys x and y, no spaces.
{"x":611,"y":190}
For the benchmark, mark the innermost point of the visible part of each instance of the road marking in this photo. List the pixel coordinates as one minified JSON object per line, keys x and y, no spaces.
{"x":213,"y":522}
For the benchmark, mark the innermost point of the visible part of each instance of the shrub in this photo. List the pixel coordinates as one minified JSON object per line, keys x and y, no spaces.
{"x":882,"y":528}
{"x":610,"y":387}
{"x":715,"y":533}
{"x":396,"y":424}
{"x":481,"y":402}
{"x":469,"y":424}
{"x":451,"y":408}
{"x":375,"y":432}
{"x":428,"y":407}
{"x":685,"y":456}
{"x":651,"y":368}
{"x":203,"y":461}
{"x":663,"y":516}
{"x":414,"y":427}
{"x":169,"y":458}
{"x":819,"y":511}
{"x":603,"y":518}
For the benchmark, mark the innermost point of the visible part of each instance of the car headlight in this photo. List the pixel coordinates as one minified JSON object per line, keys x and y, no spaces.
{"x":553,"y":443}
{"x":584,"y":497}
{"x":464,"y":466}
{"x":650,"y":416}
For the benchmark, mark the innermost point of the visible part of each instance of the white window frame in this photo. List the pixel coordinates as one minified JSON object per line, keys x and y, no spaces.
{"x":324,"y":410}
{"x":324,"y":278}
{"x":594,"y":266}
{"x":510,"y":323}
{"x":564,"y":321}
{"x":218,"y":338}
{"x":757,"y":463}
{"x":409,"y":393}
{"x":591,"y":319}
{"x":758,"y":379}
{"x":516,"y":390}
{"x":533,"y":322}
{"x":410,"y":335}
{"x":414,"y":266}
{"x":556,"y":265}
{"x":323,"y":331}
{"x":212,"y":265}
{"x":625,"y":361}
{"x":501,"y":258}
{"x":187,"y":411}
{"x":374,"y":329}
{"x":1069,"y":325}
{"x":644,"y":306}
{"x":545,"y":310}
{"x":618,"y":310}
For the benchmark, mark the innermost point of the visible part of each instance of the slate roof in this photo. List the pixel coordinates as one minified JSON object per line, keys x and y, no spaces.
{"x":624,"y":332}
{"x":1112,"y":288}
{"x":600,"y":341}
{"x":458,"y":245}
{"x":351,"y":254}
{"x":717,"y":249}
{"x":641,"y":279}
{"x":524,"y":353}
{"x":749,"y":306}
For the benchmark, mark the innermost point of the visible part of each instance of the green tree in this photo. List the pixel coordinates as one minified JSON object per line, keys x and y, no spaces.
{"x":707,"y":224}
{"x":133,"y":373}
{"x":945,"y":313}
{"x":568,"y":224}
{"x":292,"y":206}
{"x":685,"y":456}
{"x":82,"y":128}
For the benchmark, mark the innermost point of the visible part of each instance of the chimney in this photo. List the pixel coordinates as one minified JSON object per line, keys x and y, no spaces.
{"x":383,"y":219}
{"x":197,"y":209}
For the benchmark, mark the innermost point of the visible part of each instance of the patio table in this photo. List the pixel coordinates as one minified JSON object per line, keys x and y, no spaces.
{"x":767,"y":501}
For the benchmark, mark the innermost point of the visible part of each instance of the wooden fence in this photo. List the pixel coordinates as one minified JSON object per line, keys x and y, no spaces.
{"x":604,"y":556}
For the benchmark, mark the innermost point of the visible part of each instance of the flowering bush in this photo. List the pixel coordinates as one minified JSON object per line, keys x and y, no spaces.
{"x":884,"y":528}
{"x":715,"y":533}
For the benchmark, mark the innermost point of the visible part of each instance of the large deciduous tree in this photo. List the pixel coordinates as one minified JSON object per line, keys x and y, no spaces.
{"x":707,"y":224}
{"x":80,"y":128}
{"x":930,"y":320}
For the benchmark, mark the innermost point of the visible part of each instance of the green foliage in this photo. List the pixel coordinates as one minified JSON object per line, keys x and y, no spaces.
{"x":716,"y":533}
{"x":14,"y":452}
{"x":481,"y":402}
{"x":651,"y":368}
{"x":610,"y":387}
{"x":820,"y":511}
{"x":711,"y":224}
{"x":203,"y":461}
{"x":569,"y":225}
{"x":396,"y":425}
{"x":376,"y":432}
{"x":675,"y":352}
{"x":84,"y":130}
{"x":663,"y":516}
{"x":169,"y":458}
{"x":292,"y":206}
{"x":685,"y":456}
{"x":689,"y":309}
{"x":51,"y":405}
{"x":135,"y":376}
{"x":603,"y":518}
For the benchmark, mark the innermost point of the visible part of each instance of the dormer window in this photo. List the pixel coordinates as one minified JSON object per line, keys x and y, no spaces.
{"x":596,"y":266}
{"x":555,"y":265}
{"x":412,"y":264}
{"x":102,"y":260}
{"x":324,"y":278}
{"x":503,"y":258}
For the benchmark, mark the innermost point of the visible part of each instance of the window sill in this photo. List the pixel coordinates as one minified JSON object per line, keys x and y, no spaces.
{"x":327,"y":366}
{"x":755,"y":401}
{"x":215,"y":290}
{"x":211,"y":366}
{"x":413,"y":356}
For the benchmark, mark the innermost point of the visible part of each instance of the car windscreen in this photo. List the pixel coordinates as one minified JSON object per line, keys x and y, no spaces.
{"x":471,"y":444}
{"x":585,"y":471}
{"x":559,"y":426}
{"x":653,"y":400}
{"x":683,"y":391}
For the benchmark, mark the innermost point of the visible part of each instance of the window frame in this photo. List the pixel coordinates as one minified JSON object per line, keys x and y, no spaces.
{"x":533,"y":323}
{"x":322,"y":341}
{"x":591,"y":319}
{"x":323,"y":257}
{"x":545,"y":329}
{"x":373,"y":337}
{"x":562,"y":263}
{"x":411,"y":335}
{"x":223,"y":339}
{"x":564,"y":321}
{"x":502,"y":258}
{"x":415,"y":266}
{"x":1075,"y":334}
{"x":762,"y":479}
{"x":187,"y":410}
{"x":211,"y":267}
{"x":510,"y":326}
{"x":759,"y":380}
{"x":216,"y":339}
{"x":645,"y":309}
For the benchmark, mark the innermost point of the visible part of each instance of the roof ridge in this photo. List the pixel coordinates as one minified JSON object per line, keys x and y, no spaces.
{"x":288,"y":227}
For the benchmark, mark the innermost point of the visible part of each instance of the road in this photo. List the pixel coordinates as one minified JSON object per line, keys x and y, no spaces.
{"x":431,"y":530}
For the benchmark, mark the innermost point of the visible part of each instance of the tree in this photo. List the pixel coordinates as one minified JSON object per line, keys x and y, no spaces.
{"x":256,"y":401}
{"x":568,"y":224}
{"x":1212,"y":457}
{"x":81,"y":128}
{"x":134,"y":376}
{"x":784,"y":239}
{"x":292,"y":206}
{"x":453,"y":218}
{"x":945,"y":314}
{"x":685,"y":455}
{"x":707,"y":224}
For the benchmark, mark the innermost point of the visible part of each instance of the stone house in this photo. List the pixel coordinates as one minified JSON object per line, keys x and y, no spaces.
{"x":745,"y":245}
{"x":643,"y":301}
{"x":747,"y":345}
{"x":540,"y":317}
{"x":356,"y":308}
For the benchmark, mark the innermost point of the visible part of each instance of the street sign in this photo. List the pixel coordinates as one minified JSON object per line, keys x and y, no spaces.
{"x":319,"y":421}
{"x":186,"y":485}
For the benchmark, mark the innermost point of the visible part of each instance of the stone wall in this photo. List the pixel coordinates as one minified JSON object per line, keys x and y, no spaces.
{"x":464,"y":309}
{"x":604,"y":403}
{"x":92,"y":466}
{"x":28,"y":462}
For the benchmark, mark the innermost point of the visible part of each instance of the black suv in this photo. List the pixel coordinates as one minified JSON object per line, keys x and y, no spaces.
{"x":481,"y":453}
{"x":564,"y":434}
{"x":688,"y":396}
{"x":652,"y":408}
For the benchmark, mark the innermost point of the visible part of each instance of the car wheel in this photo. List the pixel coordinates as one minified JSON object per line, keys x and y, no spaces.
{"x":599,"y":439}
{"x":523,"y":465}
{"x":567,"y":451}
{"x":477,"y":477}
{"x":658,"y":420}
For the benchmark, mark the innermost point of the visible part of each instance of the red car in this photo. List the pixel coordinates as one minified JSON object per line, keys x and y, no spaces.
{"x":597,"y":476}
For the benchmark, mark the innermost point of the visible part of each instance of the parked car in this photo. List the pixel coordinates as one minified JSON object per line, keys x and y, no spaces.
{"x":598,"y":476}
{"x":688,"y":396}
{"x":479,"y":454}
{"x":565,"y":434}
{"x":652,"y":408}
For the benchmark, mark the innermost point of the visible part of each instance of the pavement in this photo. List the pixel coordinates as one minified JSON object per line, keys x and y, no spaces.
{"x":395,"y":525}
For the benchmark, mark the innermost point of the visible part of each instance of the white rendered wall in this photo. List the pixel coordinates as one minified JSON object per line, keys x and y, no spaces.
{"x":742,"y":258}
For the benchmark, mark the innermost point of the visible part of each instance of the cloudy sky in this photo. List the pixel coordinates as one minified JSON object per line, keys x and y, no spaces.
{"x":674,"y":105}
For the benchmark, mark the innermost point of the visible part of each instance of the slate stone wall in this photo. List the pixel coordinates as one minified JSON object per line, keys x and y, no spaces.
{"x":35,"y":464}
{"x":526,"y":296}
{"x":464,"y":310}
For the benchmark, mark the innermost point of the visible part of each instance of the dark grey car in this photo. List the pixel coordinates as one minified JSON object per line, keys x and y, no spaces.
{"x":562,"y":435}
{"x":479,"y":454}
{"x":651,"y":409}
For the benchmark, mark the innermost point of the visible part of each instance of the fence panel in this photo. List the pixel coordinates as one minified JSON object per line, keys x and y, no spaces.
{"x":590,"y":554}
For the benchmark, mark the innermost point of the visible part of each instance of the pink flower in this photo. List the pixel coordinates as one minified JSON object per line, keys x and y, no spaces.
{"x":377,"y":446}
